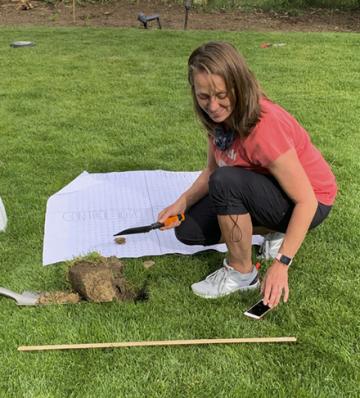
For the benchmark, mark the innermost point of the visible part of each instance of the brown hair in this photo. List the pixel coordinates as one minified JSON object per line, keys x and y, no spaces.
{"x":221,"y":58}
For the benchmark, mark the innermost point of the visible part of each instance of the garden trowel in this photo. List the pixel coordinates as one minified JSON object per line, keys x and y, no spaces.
{"x":24,"y":298}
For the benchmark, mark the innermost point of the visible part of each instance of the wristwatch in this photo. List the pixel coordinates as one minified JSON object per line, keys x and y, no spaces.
{"x":284,"y":259}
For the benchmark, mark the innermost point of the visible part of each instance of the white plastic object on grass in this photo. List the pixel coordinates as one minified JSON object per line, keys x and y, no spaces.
{"x":17,"y":44}
{"x":3,"y":218}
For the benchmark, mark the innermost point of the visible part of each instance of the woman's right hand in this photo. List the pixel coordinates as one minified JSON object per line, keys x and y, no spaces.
{"x":176,"y":208}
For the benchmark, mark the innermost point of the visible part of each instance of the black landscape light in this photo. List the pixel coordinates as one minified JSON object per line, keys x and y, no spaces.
{"x":187,"y":5}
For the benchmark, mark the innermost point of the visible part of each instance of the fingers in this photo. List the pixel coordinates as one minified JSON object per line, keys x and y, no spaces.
{"x":273,"y":291}
{"x":286,"y":294}
{"x":169,"y":225}
{"x":173,"y":225}
{"x":272,"y":296}
{"x":178,"y":207}
{"x":267,"y":292}
{"x":275,"y":296}
{"x":164,"y":215}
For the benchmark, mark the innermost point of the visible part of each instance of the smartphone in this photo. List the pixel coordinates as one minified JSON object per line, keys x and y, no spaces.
{"x":258,"y":310}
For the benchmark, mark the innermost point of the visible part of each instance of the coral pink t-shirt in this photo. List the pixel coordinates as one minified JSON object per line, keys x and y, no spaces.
{"x":275,"y":133}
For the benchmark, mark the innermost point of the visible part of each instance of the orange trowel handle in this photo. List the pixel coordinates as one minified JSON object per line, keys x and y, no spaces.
{"x":170,"y":220}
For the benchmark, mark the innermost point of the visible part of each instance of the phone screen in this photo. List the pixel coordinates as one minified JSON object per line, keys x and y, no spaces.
{"x":258,"y":310}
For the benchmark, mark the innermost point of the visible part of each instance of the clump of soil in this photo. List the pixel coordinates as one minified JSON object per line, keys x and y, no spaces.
{"x":100,"y":281}
{"x":59,"y":298}
{"x":148,"y":263}
{"x":120,"y":240}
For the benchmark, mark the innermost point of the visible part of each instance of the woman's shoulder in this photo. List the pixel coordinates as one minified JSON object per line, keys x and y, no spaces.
{"x":276,"y":125}
{"x":275,"y":117}
{"x":272,"y":111}
{"x":273,"y":135}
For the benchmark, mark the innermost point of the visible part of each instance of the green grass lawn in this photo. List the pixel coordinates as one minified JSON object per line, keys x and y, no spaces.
{"x":107,"y":100}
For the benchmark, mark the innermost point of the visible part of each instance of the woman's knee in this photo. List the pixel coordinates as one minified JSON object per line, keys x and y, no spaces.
{"x":228,"y":176}
{"x":229,"y":183}
{"x":190,"y":232}
{"x":184,"y":235}
{"x":219,"y":177}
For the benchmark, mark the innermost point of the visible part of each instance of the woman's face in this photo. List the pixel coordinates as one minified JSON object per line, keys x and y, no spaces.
{"x":212,"y":96}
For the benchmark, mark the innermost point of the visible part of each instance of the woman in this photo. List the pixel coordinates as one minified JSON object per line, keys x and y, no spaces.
{"x":263,"y":175}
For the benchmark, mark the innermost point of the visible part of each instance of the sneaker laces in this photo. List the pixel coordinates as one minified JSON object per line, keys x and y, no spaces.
{"x":220,"y":275}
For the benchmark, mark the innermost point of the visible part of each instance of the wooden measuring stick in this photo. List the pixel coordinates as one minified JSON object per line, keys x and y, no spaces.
{"x":157,"y":343}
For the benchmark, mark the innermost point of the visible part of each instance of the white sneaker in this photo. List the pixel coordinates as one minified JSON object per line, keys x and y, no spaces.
{"x":224,"y":281}
{"x":271,"y":245}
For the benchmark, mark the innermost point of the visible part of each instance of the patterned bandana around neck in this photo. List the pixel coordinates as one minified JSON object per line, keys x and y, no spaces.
{"x":224,"y":139}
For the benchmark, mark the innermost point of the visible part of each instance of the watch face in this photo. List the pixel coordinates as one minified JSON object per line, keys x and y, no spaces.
{"x":284,"y":259}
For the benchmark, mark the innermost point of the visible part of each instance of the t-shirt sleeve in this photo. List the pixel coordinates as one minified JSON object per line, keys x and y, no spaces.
{"x":272,"y":137}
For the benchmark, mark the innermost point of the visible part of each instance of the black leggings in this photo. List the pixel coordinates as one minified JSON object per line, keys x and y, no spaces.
{"x":235,"y":190}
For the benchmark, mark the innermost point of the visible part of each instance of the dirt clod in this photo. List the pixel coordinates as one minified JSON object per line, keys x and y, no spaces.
{"x":59,"y":298}
{"x":120,"y":240}
{"x":148,"y":263}
{"x":100,"y":281}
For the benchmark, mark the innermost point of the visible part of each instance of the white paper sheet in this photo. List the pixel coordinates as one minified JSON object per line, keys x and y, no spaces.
{"x":84,"y":215}
{"x":3,"y":217}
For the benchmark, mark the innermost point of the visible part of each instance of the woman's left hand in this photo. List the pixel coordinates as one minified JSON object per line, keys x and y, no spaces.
{"x":275,"y":284}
